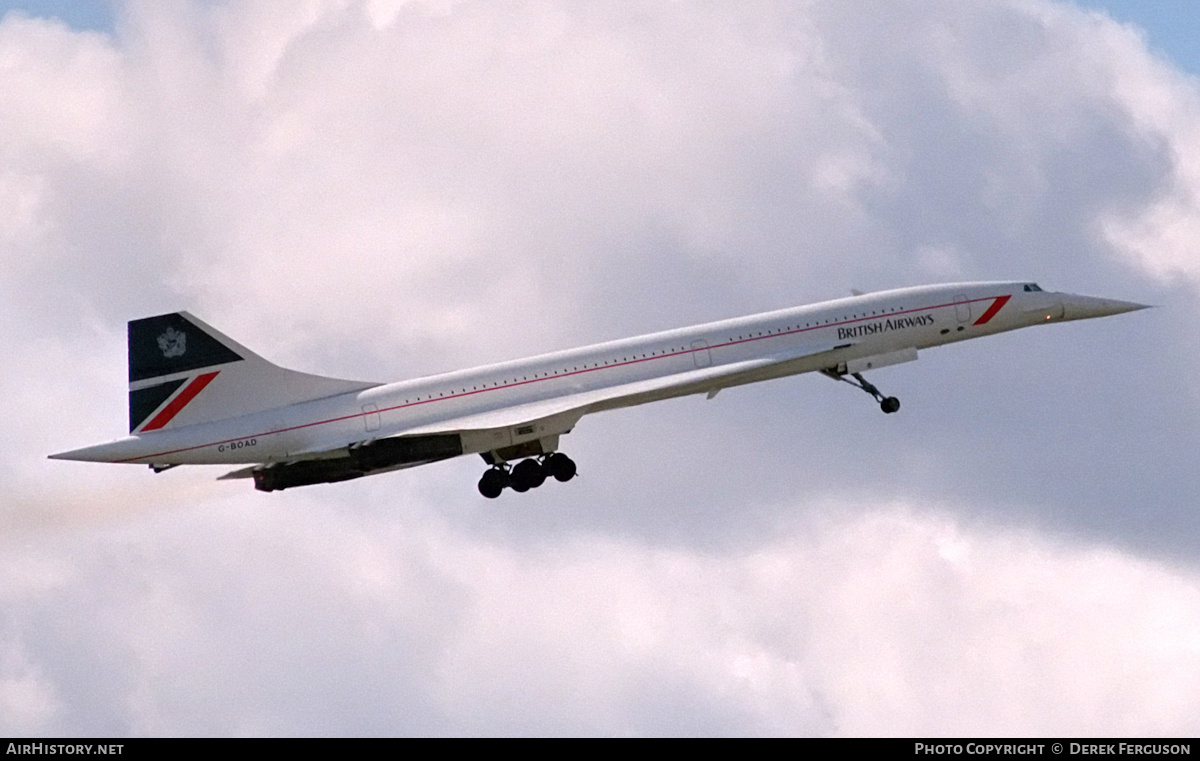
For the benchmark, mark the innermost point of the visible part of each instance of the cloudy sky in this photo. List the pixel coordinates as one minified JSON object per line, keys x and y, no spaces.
{"x":384,"y":189}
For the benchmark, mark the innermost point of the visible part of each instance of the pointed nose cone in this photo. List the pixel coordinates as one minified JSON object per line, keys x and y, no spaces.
{"x":1087,"y":307}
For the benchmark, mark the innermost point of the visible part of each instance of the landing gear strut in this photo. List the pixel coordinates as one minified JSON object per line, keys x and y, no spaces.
{"x":526,"y":474}
{"x":888,"y":404}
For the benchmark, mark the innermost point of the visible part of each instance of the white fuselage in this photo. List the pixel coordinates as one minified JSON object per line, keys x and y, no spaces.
{"x":851,"y":328}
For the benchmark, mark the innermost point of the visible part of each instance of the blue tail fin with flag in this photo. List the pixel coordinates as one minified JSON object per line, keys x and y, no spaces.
{"x":182,"y":372}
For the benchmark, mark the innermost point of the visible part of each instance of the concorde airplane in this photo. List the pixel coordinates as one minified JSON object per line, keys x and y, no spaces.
{"x":198,"y":397}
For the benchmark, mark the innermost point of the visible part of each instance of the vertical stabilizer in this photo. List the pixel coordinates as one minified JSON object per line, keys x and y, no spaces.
{"x":182,"y":372}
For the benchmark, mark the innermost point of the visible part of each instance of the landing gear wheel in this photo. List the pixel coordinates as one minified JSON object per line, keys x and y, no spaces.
{"x":493,"y":482}
{"x":888,"y":404}
{"x":528,"y":474}
{"x":560,"y":466}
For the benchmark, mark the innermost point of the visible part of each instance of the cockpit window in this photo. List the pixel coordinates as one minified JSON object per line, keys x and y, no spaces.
{"x":1032,"y":288}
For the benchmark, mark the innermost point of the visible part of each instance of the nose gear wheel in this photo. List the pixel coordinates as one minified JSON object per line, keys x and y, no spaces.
{"x":888,"y":404}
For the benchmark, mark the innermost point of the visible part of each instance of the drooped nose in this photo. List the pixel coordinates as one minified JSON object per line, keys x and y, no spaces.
{"x":1085,"y":307}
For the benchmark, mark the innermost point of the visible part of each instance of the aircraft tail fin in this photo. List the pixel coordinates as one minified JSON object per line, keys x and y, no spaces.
{"x":183,"y":371}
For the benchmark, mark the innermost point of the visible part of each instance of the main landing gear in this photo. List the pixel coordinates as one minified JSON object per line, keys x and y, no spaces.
{"x":526,"y":474}
{"x":888,"y":404}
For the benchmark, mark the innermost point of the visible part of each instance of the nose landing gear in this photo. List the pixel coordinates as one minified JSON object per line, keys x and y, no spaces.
{"x":888,"y":404}
{"x":527,"y":474}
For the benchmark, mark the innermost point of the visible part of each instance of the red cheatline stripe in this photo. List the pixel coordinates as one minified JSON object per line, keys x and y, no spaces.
{"x":1000,"y":301}
{"x":991,"y":311}
{"x":179,"y":402}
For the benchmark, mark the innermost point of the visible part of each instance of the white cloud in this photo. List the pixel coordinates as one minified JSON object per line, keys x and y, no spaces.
{"x":856,"y":621}
{"x":25,"y":703}
{"x":1162,"y":108}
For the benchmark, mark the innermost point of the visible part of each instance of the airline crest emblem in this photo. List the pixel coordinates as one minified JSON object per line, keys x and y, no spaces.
{"x":173,"y":343}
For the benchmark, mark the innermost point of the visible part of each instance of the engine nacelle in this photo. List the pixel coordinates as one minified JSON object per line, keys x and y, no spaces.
{"x":378,"y":456}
